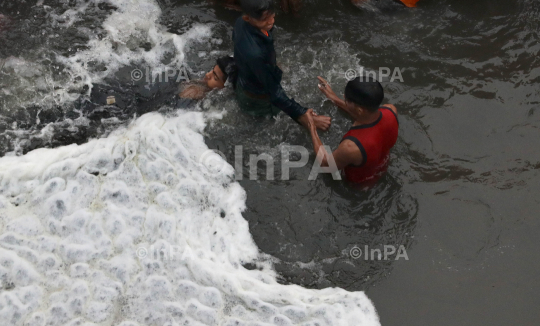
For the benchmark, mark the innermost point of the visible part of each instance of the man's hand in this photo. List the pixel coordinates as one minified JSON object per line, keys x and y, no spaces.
{"x":311,"y":120}
{"x":321,"y":122}
{"x":326,"y":89}
{"x":194,"y":92}
{"x":310,"y":115}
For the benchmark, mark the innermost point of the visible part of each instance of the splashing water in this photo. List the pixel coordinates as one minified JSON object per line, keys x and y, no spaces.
{"x":76,"y":220}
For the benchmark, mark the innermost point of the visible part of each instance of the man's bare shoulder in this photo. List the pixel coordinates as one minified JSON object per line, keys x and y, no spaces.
{"x":391,"y":107}
{"x":349,"y":152}
{"x":348,"y":145}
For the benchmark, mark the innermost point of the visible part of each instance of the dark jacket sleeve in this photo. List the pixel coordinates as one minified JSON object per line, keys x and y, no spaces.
{"x":270,"y":78}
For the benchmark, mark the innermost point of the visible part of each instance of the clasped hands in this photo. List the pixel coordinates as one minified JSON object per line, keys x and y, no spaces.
{"x":311,"y":120}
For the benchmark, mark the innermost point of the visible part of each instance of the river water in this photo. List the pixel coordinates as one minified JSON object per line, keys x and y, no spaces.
{"x":459,"y":194}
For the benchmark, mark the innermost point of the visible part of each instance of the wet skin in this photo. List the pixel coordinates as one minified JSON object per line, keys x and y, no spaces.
{"x":213,"y":79}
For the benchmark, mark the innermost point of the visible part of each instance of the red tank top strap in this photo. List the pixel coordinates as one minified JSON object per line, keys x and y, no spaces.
{"x":394,"y":113}
{"x":374,"y":141}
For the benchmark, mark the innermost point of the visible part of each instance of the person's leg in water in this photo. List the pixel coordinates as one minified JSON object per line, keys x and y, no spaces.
{"x":408,"y":3}
{"x":293,"y":6}
{"x":287,"y":6}
{"x":3,"y":21}
{"x":231,"y":4}
{"x":255,"y":106}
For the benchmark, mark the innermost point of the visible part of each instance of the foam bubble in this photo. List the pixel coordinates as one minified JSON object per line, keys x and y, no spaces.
{"x":70,"y":252}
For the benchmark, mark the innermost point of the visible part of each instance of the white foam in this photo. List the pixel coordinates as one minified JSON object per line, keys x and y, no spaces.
{"x":72,"y":220}
{"x":32,"y":79}
{"x":29,"y":80}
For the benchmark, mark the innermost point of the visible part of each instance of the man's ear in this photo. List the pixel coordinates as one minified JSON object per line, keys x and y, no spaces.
{"x":356,"y":108}
{"x":245,"y":17}
{"x":350,"y":105}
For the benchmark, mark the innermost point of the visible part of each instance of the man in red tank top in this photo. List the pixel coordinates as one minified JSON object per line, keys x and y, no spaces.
{"x":364,"y":150}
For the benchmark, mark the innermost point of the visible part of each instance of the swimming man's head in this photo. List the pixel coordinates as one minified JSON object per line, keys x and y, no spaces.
{"x":224,"y":68}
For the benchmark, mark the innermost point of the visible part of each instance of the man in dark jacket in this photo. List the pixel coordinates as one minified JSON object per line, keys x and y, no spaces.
{"x":258,"y":89}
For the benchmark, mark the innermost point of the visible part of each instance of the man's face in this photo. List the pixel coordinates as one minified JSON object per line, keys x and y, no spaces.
{"x":265,"y":23}
{"x":215,"y":78}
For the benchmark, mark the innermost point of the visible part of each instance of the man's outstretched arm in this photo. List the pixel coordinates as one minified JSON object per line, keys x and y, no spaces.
{"x":270,"y":77}
{"x":325,"y":88}
{"x":344,"y":155}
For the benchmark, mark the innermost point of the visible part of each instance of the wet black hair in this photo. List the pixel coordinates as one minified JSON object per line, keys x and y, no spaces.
{"x":228,"y":68}
{"x":365,"y":92}
{"x":256,"y":8}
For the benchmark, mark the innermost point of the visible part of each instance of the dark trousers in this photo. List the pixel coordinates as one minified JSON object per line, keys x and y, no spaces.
{"x":252,"y":105}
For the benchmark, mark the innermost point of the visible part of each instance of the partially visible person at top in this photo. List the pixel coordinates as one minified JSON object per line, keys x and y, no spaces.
{"x":364,"y":151}
{"x":287,"y":6}
{"x":225,"y":69}
{"x":294,"y":6}
{"x":407,"y":3}
{"x":258,"y":89}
